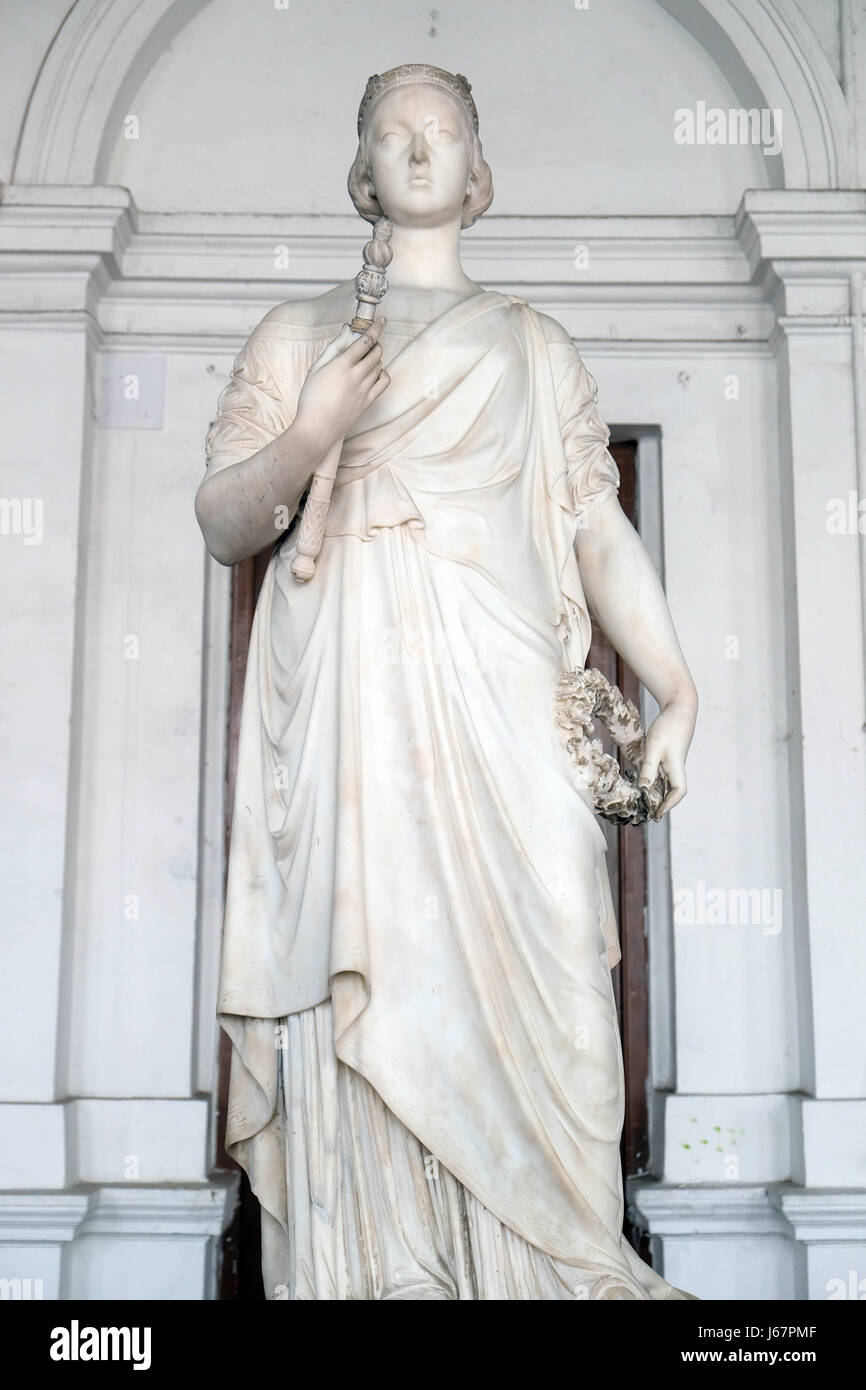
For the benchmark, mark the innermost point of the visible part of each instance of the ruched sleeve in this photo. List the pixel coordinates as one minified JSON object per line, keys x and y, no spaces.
{"x":258,"y":403}
{"x":592,"y":474}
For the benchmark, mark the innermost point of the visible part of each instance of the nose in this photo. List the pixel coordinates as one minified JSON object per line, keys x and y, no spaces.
{"x":418,"y":150}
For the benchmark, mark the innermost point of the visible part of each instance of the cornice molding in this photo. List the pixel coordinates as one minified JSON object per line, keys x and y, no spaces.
{"x":41,"y":1216}
{"x":802,"y":227}
{"x":646,"y":279}
{"x":824,"y":1214}
{"x":665,"y":1209}
{"x":203,"y":1210}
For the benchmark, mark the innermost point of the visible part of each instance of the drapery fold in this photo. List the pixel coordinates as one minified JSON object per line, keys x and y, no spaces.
{"x":408,"y":841}
{"x":373,"y":1214}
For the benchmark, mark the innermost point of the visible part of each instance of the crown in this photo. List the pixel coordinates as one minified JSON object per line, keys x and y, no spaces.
{"x":409,"y":74}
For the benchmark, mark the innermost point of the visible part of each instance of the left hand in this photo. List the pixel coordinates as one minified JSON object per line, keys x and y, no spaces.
{"x":667,"y":743}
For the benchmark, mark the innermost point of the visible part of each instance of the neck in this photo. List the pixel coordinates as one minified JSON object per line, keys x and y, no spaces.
{"x":427,"y":258}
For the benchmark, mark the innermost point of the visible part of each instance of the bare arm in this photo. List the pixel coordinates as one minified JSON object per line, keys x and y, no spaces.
{"x":624,"y":593}
{"x":237,"y":505}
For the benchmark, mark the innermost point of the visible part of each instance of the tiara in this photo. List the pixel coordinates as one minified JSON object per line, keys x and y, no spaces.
{"x":409,"y":74}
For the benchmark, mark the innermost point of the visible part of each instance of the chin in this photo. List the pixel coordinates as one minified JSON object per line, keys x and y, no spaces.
{"x":412,"y":208}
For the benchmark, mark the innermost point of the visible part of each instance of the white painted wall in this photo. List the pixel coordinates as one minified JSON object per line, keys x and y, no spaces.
{"x":27,"y":33}
{"x":732,"y":340}
{"x":575,"y":116}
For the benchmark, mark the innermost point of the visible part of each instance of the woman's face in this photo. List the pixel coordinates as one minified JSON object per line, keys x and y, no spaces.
{"x":419,"y":156}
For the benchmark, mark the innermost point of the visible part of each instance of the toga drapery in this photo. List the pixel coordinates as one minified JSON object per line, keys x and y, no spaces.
{"x":419,"y":929}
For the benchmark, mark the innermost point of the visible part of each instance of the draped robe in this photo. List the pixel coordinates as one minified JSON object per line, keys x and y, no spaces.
{"x":408,"y":841}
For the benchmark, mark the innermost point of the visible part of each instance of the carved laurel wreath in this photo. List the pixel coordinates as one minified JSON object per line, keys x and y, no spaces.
{"x":584,"y":696}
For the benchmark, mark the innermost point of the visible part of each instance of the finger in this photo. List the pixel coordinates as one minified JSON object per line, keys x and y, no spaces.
{"x":673,"y":798}
{"x":368,"y":339}
{"x":649,"y":769}
{"x":372,"y":363}
{"x":676,"y":779}
{"x":370,"y":380}
{"x":360,"y":349}
{"x":382,"y":382}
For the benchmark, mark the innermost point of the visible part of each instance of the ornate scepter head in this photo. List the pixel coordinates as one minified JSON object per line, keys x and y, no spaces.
{"x":371,"y":283}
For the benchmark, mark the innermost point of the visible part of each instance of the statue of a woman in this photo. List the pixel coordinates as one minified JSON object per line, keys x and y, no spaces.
{"x":426,"y":1086}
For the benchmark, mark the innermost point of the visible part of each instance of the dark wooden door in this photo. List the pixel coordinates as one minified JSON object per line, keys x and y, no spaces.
{"x":627,"y":865}
{"x":241,"y":1261}
{"x":240,"y":1274}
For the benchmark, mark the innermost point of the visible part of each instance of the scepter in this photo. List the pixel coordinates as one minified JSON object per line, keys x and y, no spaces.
{"x":371,"y":283}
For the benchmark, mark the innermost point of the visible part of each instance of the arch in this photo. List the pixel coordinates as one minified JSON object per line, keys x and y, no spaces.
{"x":105,"y":48}
{"x":100,"y":55}
{"x":771,"y":57}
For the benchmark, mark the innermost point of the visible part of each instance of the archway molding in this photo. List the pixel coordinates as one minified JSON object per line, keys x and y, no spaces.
{"x":104,"y":50}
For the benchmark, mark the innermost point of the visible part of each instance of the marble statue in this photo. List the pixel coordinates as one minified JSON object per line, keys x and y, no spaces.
{"x":427,"y":1080}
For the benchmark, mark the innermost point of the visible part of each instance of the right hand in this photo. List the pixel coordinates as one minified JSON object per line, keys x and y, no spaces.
{"x":335,"y":394}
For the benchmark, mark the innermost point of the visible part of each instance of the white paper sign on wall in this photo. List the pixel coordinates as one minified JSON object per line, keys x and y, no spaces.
{"x":131,"y":391}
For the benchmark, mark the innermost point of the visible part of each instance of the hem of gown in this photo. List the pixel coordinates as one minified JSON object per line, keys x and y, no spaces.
{"x":258,"y":1146}
{"x":465,"y":1162}
{"x":254,"y":1137}
{"x":243,"y":1001}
